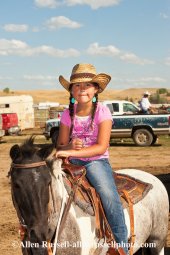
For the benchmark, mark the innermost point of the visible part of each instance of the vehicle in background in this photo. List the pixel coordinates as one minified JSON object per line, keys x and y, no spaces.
{"x":121,"y":107}
{"x":2,"y":132}
{"x":144,"y":129}
{"x":10,"y":124}
{"x":22,"y":106}
{"x":128,"y":122}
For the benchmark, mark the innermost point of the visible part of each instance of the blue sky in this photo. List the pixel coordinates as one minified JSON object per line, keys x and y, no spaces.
{"x":41,"y":39}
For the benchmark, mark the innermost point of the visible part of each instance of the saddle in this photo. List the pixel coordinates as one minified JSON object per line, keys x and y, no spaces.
{"x":84,"y":195}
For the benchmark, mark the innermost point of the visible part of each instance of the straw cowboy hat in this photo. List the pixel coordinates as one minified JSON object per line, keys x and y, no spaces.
{"x":85,"y":73}
{"x":146,"y":93}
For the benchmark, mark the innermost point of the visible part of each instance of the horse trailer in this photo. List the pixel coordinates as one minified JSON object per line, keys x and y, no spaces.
{"x":22,"y":106}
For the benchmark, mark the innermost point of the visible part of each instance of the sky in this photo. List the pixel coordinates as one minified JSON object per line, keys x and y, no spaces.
{"x":42,"y":39}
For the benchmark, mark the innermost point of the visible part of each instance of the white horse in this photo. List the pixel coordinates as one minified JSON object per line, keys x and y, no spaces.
{"x":31,"y":176}
{"x":150,"y":215}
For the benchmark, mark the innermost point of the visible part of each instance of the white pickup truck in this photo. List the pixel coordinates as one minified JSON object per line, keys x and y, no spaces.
{"x":121,"y":107}
{"x":128,"y":122}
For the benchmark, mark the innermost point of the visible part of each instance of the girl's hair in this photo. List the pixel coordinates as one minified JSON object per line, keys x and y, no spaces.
{"x":71,"y":108}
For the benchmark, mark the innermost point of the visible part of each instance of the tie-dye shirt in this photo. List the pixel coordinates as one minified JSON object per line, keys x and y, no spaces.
{"x":82,"y":127}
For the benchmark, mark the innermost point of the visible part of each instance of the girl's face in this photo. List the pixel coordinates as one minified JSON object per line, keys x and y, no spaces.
{"x":83,"y":92}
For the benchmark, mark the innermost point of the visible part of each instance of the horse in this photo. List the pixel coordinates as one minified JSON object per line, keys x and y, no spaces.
{"x":33,"y":171}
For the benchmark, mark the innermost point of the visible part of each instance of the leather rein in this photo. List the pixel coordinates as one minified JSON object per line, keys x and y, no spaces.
{"x":29,"y":165}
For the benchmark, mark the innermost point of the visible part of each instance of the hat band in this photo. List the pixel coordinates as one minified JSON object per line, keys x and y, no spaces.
{"x":82,"y":75}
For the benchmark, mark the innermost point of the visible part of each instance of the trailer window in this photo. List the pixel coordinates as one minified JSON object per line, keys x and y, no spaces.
{"x":4,"y":105}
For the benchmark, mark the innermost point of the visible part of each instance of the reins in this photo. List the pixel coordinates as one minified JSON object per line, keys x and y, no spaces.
{"x":28,"y":165}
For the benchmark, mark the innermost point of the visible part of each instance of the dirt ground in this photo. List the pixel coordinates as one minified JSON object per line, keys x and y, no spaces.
{"x":153,"y":159}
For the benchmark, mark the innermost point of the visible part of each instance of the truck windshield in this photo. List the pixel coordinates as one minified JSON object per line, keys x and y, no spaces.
{"x":129,"y":108}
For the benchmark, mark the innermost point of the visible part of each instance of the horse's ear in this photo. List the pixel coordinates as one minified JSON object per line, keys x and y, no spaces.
{"x":45,"y":151}
{"x":15,"y":151}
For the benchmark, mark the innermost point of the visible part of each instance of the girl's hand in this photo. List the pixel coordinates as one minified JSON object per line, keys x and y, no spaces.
{"x":76,"y":144}
{"x":65,"y":154}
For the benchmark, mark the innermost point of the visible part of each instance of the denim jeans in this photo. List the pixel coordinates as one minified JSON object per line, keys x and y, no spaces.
{"x":99,"y":174}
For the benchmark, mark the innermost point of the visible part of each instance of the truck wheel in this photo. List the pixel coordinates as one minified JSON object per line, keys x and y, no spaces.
{"x":154,"y":139}
{"x":54,"y":136}
{"x":143,"y":137}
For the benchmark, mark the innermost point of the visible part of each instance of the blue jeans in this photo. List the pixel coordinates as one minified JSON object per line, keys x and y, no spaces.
{"x":99,"y":174}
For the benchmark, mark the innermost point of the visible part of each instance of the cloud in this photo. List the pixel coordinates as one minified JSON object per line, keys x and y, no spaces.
{"x":15,"y":28}
{"x":94,"y":4}
{"x":112,"y":51}
{"x":132,"y":58}
{"x":19,"y":48}
{"x":167,"y":61}
{"x":5,"y":78}
{"x":164,"y":15}
{"x":47,"y":3}
{"x":60,"y":22}
{"x":150,"y":81}
{"x":40,"y":77}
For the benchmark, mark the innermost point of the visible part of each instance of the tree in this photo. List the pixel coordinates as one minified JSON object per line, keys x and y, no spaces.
{"x":6,"y":90}
{"x":162,"y":91}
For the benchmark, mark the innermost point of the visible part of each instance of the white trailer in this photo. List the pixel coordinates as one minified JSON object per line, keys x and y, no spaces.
{"x":23,"y":106}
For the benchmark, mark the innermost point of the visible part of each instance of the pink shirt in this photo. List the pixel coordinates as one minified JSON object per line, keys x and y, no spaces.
{"x":83,"y":130}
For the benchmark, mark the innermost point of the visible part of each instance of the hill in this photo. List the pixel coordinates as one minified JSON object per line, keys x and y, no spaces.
{"x":62,"y":96}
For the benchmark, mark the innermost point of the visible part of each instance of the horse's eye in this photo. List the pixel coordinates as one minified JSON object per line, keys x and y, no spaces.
{"x":16,"y":186}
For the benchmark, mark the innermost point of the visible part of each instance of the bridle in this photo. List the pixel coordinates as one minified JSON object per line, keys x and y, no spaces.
{"x":29,"y":165}
{"x":22,"y":166}
{"x":23,"y":226}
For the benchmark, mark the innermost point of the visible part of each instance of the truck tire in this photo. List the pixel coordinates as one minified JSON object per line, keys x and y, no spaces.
{"x":154,"y":139}
{"x":143,"y":137}
{"x":54,"y":136}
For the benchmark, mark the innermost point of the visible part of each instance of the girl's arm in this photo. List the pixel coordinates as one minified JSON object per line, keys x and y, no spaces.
{"x":97,"y":149}
{"x":64,"y":137}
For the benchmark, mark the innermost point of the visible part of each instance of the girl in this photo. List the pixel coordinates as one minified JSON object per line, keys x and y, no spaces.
{"x":84,"y":137}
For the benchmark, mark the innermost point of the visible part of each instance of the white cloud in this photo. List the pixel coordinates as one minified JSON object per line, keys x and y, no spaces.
{"x":19,"y":48}
{"x":167,"y":61}
{"x":112,"y":51}
{"x":5,"y":78}
{"x":15,"y":28}
{"x":132,"y":58}
{"x":94,"y":4}
{"x":40,"y":77}
{"x":47,"y":3}
{"x":61,"y":21}
{"x":150,"y":81}
{"x":164,"y":15}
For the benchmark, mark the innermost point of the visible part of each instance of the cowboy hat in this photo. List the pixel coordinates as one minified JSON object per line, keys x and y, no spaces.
{"x":85,"y":73}
{"x":146,"y":93}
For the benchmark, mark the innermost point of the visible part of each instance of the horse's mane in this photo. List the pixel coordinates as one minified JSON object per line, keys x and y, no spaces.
{"x":28,"y":147}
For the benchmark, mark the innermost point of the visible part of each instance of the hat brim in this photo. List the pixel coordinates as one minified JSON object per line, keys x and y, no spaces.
{"x":101,"y":79}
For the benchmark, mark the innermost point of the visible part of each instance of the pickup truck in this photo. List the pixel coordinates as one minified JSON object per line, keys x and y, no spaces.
{"x":10,"y":123}
{"x":128,"y":122}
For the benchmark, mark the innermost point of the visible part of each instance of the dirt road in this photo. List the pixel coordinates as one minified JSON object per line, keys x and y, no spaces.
{"x":151,"y":159}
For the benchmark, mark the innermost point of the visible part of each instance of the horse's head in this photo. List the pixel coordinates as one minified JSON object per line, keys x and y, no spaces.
{"x":30,"y":179}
